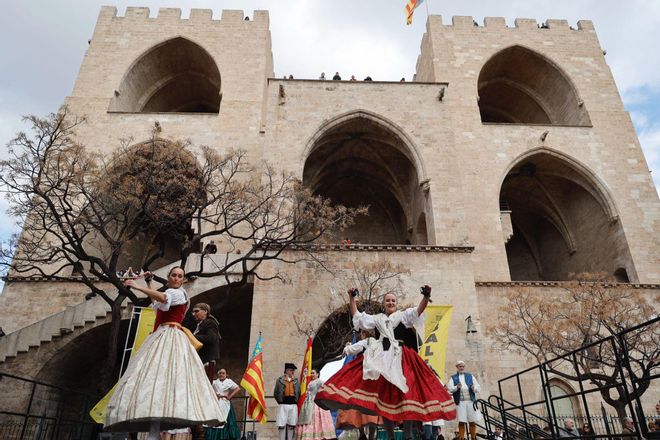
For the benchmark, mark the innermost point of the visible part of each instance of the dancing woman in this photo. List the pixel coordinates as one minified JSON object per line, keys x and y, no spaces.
{"x":164,"y":386}
{"x":389,"y":380}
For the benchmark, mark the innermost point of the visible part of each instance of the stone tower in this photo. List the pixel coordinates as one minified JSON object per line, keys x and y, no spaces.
{"x":509,"y":161}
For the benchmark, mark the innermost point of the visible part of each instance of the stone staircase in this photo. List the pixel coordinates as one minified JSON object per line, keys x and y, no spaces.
{"x":53,"y":326}
{"x":88,"y":312}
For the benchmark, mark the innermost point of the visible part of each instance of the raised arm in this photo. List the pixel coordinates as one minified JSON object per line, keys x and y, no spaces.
{"x":150,"y":292}
{"x":422,"y":305}
{"x":426,"y":299}
{"x":351,"y":300}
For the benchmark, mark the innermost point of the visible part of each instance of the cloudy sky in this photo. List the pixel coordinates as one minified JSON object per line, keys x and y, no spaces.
{"x":43,"y":43}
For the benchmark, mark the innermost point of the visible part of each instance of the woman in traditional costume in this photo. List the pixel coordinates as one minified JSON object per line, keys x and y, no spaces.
{"x":164,"y":386}
{"x":314,"y":423}
{"x":225,"y":389}
{"x":389,"y":380}
{"x":366,"y":424}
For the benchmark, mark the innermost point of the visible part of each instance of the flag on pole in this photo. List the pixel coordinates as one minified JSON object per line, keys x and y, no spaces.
{"x":434,"y":349}
{"x":305,"y":373}
{"x":410,"y":9}
{"x":253,"y":383}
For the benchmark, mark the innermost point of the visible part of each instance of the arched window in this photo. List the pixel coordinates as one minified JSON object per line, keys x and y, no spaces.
{"x":563,"y":220}
{"x":564,"y":407}
{"x":518,"y":85}
{"x":621,"y":275}
{"x":175,"y":76}
{"x":361,"y":161}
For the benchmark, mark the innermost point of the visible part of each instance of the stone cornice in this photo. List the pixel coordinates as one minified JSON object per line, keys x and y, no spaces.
{"x":384,"y":247}
{"x":557,"y":284}
{"x":39,"y":278}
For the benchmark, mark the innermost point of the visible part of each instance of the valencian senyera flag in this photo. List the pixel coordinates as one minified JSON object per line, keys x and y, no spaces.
{"x":410,"y":9}
{"x":305,"y":373}
{"x":253,"y":383}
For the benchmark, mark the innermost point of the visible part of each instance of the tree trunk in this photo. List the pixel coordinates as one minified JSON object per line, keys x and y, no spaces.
{"x":620,"y":408}
{"x":110,"y":370}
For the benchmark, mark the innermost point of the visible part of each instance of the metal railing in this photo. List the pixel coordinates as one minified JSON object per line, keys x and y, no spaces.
{"x":48,"y":412}
{"x":522,"y":416}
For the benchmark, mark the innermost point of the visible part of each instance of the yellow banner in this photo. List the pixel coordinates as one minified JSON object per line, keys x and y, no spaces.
{"x":434,"y":348}
{"x":144,"y":328}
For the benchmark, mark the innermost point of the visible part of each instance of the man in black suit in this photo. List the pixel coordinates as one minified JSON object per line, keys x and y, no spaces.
{"x":208,"y":333}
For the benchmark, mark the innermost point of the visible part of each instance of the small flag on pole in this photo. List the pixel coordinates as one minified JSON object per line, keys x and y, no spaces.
{"x":253,"y":383}
{"x":305,"y":374}
{"x":410,"y":9}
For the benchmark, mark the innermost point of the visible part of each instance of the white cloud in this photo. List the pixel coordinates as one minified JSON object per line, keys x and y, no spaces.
{"x":640,"y":120}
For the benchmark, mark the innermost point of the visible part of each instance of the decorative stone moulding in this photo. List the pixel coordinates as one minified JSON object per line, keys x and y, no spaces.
{"x":556,"y":284}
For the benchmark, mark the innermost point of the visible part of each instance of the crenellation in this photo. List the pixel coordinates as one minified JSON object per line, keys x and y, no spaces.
{"x":433,"y":20}
{"x":526,"y":23}
{"x":136,"y":13}
{"x":495,"y":22}
{"x":107,"y":13}
{"x":586,"y":25}
{"x":201,"y":15}
{"x":261,"y":17}
{"x":232,"y":15}
{"x":173,"y":14}
{"x":462,"y":21}
{"x":557,"y":24}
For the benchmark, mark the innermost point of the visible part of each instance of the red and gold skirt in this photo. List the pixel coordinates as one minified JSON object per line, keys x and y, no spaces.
{"x":426,"y":399}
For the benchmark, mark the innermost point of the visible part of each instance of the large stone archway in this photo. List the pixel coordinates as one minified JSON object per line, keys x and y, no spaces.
{"x":519,"y":85}
{"x":177,"y":75}
{"x":361,"y":160}
{"x":335,"y":331}
{"x":563,"y":221}
{"x":153,"y":232}
{"x":75,"y":361}
{"x":232,"y":306}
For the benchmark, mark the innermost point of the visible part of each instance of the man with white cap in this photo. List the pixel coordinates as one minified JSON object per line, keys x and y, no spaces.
{"x":464,"y":387}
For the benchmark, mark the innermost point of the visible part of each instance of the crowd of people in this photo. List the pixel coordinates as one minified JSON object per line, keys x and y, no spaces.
{"x":172,"y":390}
{"x":337,"y":77}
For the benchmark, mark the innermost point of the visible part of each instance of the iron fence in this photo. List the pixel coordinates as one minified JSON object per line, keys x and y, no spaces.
{"x":47,"y":412}
{"x":514,"y":411}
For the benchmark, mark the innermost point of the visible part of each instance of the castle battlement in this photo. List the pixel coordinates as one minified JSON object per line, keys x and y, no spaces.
{"x":467,"y":21}
{"x":169,"y":15}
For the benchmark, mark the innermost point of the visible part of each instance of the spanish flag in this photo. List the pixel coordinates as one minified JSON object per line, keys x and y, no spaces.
{"x":253,"y":383}
{"x":410,"y":9}
{"x":305,"y":373}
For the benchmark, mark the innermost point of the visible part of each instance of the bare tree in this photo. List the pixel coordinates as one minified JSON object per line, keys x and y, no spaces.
{"x":373,"y":280}
{"x":590,"y":308}
{"x":81,"y":212}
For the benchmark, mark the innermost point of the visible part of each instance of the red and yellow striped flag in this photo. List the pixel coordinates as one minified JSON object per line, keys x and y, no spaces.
{"x":410,"y":9}
{"x":305,"y":373}
{"x":253,"y":383}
